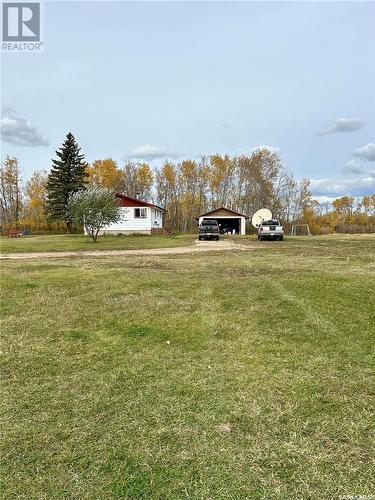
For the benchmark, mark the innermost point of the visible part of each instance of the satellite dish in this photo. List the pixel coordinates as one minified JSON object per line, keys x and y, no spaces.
{"x":260,"y":215}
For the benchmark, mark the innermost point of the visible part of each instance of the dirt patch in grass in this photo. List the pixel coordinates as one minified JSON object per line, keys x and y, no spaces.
{"x":222,"y":245}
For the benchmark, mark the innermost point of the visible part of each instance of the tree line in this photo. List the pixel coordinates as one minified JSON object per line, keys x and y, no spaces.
{"x":243,"y":183}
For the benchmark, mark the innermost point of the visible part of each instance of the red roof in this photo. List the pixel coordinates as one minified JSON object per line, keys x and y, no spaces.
{"x":212,"y":212}
{"x":127,"y":201}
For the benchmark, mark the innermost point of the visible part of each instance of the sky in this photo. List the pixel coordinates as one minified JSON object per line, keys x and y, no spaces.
{"x":146,"y":81}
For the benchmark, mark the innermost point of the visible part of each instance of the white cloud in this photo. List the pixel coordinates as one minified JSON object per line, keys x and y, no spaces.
{"x":324,"y":199}
{"x":149,"y":152}
{"x":271,"y":149}
{"x":344,"y":125}
{"x":340,"y":187}
{"x":353,"y":167}
{"x":17,"y":130}
{"x":367,"y":152}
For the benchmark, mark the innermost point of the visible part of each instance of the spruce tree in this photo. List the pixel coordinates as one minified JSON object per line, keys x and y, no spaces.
{"x":68,"y":175}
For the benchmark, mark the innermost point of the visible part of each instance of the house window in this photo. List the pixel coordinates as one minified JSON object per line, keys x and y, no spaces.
{"x":140,"y":213}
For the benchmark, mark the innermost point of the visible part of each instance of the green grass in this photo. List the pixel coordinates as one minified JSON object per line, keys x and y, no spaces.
{"x":205,"y":376}
{"x":80,"y":242}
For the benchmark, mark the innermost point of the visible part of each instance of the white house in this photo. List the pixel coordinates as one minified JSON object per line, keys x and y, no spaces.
{"x":229,"y":221}
{"x":137,"y":217}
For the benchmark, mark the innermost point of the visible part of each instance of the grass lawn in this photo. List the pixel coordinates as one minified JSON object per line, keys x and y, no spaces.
{"x":78,"y":242}
{"x":203,"y":376}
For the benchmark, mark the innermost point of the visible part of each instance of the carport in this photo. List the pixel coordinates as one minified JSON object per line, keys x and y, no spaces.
{"x":230,"y":222}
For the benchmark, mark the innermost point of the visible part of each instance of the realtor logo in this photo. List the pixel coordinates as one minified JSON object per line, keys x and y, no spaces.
{"x":21,"y":23}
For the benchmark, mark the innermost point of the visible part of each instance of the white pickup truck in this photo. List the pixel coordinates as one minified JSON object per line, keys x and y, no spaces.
{"x":270,"y":229}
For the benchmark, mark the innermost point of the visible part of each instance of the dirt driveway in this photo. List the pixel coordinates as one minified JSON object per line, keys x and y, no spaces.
{"x":198,"y":246}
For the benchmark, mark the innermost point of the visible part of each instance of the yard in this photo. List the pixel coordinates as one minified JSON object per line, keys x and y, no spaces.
{"x":221,"y":375}
{"x":80,"y":242}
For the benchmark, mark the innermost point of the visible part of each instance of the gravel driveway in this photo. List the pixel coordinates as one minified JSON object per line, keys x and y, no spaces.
{"x":198,"y":246}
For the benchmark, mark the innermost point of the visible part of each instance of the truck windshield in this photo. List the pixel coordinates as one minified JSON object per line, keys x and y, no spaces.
{"x":270,"y":223}
{"x":209,"y":222}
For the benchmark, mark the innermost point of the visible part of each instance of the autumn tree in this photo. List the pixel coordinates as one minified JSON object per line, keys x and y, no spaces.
{"x":255,"y":181}
{"x":368,"y":204}
{"x":10,"y":193}
{"x":167,"y":189}
{"x":145,"y":179}
{"x":303,"y":200}
{"x":344,"y":207}
{"x":287,"y":189}
{"x":105,"y":173}
{"x":192,"y":181}
{"x":242,"y":183}
{"x":68,"y":175}
{"x":34,"y":215}
{"x":220,"y":179}
{"x":137,"y":180}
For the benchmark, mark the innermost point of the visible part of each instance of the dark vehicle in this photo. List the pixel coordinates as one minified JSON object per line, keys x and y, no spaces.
{"x":209,"y":230}
{"x":270,"y":229}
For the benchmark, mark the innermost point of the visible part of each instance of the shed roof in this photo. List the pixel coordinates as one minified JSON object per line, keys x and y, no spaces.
{"x":127,"y":201}
{"x":222,"y":209}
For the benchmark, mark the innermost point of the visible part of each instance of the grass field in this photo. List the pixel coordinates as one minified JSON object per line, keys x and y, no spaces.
{"x":205,"y":376}
{"x":80,"y":242}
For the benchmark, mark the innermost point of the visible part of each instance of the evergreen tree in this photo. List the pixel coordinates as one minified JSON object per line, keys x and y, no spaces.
{"x":68,"y":175}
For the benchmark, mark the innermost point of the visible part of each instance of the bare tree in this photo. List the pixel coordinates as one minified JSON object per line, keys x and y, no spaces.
{"x":10,"y":192}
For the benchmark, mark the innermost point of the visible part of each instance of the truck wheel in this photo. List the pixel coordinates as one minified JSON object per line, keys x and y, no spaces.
{"x":199,"y":238}
{"x":281,"y":238}
{"x":217,"y":238}
{"x":260,"y":238}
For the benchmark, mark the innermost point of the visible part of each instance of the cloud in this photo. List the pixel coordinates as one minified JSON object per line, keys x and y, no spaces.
{"x":339,"y":187}
{"x":343,"y":125}
{"x":18,"y":131}
{"x":324,"y":199}
{"x":271,"y":149}
{"x":353,"y":167}
{"x":148,"y":152}
{"x":367,"y":152}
